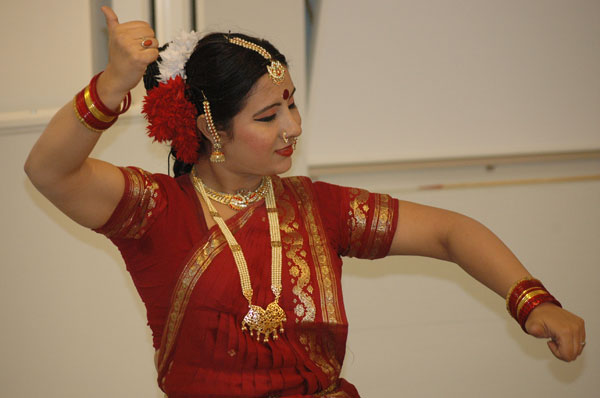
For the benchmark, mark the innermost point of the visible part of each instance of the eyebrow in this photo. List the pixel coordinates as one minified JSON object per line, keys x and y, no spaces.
{"x":272,"y":105}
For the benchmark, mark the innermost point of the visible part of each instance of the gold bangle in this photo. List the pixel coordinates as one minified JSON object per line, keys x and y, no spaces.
{"x":525,"y":292}
{"x":528,"y":297}
{"x":512,"y":288}
{"x":82,"y":120}
{"x":92,"y":107}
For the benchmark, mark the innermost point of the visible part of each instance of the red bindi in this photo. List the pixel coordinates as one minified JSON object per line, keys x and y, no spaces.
{"x":286,"y":94}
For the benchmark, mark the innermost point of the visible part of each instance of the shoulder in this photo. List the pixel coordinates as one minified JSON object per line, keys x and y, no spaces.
{"x":318,"y":190}
{"x":140,"y":179}
{"x":146,"y":198}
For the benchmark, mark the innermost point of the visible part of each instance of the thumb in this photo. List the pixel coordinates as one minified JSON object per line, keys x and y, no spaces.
{"x":554,"y":348}
{"x":111,"y":18}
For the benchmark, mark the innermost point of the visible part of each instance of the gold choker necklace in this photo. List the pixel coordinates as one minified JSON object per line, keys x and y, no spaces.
{"x":239,"y":200}
{"x":262,"y":321}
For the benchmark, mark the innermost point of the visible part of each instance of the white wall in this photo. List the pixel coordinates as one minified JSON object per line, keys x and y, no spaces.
{"x":423,"y":328}
{"x":402,"y":79}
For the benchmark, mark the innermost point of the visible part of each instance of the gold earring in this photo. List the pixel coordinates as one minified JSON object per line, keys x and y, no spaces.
{"x":285,"y":137}
{"x":217,"y":155}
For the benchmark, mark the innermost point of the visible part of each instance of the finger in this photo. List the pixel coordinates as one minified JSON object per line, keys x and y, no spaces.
{"x":581,"y":342}
{"x":577,"y":347}
{"x":580,"y":348}
{"x":138,"y":32}
{"x":148,"y":56}
{"x":554,"y":348}
{"x":582,"y":335}
{"x":579,"y":336}
{"x":111,"y":18}
{"x":565,"y":347}
{"x":148,"y":43}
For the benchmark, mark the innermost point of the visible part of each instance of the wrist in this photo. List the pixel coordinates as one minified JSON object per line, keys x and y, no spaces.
{"x":93,"y":112}
{"x":109,"y":91}
{"x":525,"y":296}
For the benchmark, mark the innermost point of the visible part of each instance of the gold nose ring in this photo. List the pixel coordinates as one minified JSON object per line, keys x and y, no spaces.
{"x":285,"y":137}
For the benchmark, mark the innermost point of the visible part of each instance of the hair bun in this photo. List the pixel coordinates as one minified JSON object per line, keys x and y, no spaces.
{"x":152,"y":72}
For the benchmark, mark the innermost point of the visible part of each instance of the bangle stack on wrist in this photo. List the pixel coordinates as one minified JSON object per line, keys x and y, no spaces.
{"x":90,"y":110}
{"x":524,"y":296}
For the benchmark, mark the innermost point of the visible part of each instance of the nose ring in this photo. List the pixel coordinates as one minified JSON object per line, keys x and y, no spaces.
{"x":285,"y":137}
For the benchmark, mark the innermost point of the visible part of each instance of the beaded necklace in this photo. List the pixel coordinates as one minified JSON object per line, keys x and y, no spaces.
{"x":262,"y":321}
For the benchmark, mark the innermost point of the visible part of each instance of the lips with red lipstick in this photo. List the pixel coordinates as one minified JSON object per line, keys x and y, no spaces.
{"x":287,"y":151}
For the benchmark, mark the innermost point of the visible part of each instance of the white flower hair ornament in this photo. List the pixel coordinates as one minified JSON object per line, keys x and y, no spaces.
{"x":176,"y":55}
{"x":171,"y":116}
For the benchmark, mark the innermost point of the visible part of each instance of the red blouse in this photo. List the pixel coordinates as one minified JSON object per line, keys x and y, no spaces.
{"x":188,"y":280}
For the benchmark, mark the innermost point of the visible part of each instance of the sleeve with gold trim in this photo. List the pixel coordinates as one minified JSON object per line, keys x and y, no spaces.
{"x":360,"y":223}
{"x":142,"y":201}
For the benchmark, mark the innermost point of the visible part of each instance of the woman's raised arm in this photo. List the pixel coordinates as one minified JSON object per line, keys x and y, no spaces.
{"x":86,"y":189}
{"x":432,"y":232}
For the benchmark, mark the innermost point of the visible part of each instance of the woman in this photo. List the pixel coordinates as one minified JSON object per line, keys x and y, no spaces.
{"x":240,"y":269}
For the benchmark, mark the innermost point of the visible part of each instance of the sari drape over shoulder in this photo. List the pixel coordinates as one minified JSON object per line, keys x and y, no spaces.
{"x":187,"y":278}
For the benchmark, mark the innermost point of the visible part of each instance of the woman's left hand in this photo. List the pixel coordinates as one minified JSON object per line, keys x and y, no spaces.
{"x":565,"y":330}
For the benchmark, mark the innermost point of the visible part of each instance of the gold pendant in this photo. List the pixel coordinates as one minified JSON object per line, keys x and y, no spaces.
{"x":276,"y":72}
{"x":264,"y":322}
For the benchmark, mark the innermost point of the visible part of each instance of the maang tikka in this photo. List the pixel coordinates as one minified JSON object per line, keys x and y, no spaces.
{"x":217,"y":155}
{"x":275,"y":68}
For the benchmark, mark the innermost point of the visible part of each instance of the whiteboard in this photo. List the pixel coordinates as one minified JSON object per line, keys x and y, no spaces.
{"x":412,"y":80}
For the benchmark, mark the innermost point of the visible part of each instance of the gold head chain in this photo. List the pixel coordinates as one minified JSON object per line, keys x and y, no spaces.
{"x":275,"y":68}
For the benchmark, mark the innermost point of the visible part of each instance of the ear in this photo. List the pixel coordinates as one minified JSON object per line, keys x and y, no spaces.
{"x":203,"y":127}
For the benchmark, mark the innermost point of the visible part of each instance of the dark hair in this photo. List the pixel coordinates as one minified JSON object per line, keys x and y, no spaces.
{"x":225,"y":73}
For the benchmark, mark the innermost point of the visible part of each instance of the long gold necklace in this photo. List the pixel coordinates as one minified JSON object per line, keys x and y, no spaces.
{"x":241,"y":199}
{"x":262,"y":321}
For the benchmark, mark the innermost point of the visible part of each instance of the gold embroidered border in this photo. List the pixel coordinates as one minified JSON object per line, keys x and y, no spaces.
{"x":317,"y":240}
{"x":147,"y":203}
{"x":305,"y":310}
{"x":383,"y":214}
{"x":140,"y":200}
{"x":195,"y":267}
{"x":134,"y":184}
{"x":358,"y":220}
{"x":322,"y":352}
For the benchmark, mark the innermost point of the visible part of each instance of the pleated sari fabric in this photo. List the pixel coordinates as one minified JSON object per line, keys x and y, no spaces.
{"x":187,"y":278}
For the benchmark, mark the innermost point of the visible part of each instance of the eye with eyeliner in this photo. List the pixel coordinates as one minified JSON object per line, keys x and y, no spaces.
{"x":266,"y":118}
{"x":272,"y":117}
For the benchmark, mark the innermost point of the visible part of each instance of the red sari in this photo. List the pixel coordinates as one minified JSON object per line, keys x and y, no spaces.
{"x":188,"y":280}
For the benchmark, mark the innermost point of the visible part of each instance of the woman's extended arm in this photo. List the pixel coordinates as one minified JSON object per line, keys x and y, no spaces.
{"x":442,"y":234}
{"x":85,"y":189}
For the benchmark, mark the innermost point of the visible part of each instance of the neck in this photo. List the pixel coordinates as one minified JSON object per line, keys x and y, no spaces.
{"x":221,"y":179}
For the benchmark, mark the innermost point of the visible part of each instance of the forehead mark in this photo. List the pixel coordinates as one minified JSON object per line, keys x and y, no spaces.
{"x":286,"y":94}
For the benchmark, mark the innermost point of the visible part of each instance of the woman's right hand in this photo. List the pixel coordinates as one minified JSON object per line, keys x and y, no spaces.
{"x":127,"y":59}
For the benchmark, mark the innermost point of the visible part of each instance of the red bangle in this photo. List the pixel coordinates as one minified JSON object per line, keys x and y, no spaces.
{"x":100,"y":105}
{"x":531,"y":304}
{"x":517,"y":289}
{"x":85,"y":115}
{"x":92,"y":112}
{"x":524,"y":296}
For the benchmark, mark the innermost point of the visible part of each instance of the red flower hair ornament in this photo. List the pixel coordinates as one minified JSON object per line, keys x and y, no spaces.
{"x":171,"y":116}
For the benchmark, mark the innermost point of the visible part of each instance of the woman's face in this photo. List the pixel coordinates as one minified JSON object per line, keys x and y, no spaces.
{"x":257,"y":146}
